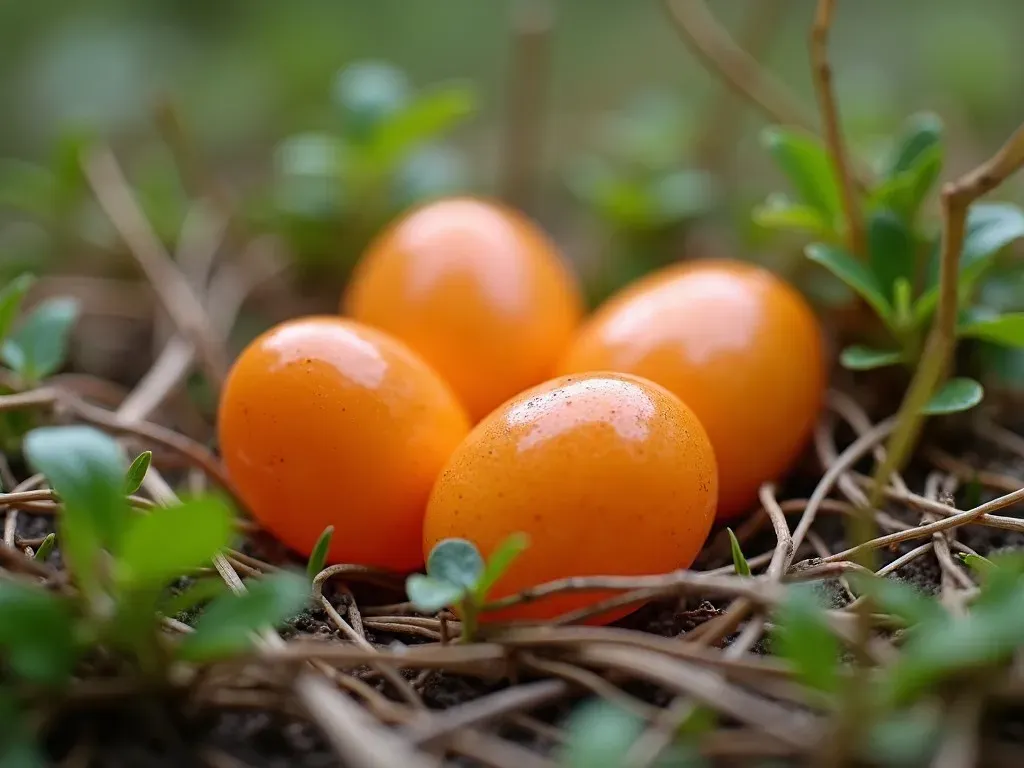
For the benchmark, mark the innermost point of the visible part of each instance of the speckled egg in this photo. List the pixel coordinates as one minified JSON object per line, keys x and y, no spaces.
{"x":477,"y":289}
{"x":606,"y":473}
{"x":323,"y":421}
{"x":737,"y":344}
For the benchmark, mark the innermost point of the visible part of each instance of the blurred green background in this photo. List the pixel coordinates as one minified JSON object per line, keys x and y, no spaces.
{"x":619,"y":182}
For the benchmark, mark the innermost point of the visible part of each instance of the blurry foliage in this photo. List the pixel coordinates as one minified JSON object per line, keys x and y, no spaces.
{"x":638,"y":188}
{"x":333,"y":189}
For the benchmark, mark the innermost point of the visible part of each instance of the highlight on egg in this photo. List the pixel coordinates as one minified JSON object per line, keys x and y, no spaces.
{"x":605,"y":473}
{"x":474,"y":287}
{"x":737,"y":344}
{"x":324,"y":421}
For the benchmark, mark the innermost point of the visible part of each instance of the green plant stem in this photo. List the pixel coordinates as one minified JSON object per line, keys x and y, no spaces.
{"x":469,"y":618}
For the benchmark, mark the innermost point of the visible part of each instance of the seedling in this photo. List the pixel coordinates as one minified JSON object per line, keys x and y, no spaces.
{"x":898,"y":276}
{"x":136,"y":474}
{"x":457,"y":576}
{"x":739,"y":561}
{"x":121,"y":564}
{"x":318,"y":557}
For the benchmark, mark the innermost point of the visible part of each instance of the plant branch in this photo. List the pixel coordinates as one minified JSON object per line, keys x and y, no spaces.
{"x":706,"y":38}
{"x":957,"y":197}
{"x":833,"y":131}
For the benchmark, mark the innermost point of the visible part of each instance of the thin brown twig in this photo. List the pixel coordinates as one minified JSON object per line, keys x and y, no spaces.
{"x":706,"y":38}
{"x":833,"y":130}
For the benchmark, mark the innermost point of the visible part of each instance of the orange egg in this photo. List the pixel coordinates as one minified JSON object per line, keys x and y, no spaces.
{"x":323,"y":422}
{"x":606,"y":473}
{"x":477,"y":289}
{"x":738,"y":345}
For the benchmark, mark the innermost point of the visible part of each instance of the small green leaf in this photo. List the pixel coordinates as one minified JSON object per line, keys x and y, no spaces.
{"x":86,"y":469}
{"x":499,"y":561}
{"x":890,"y":250}
{"x":956,"y":395}
{"x":456,"y":561}
{"x":318,"y":557}
{"x":172,"y":541}
{"x":431,"y":113}
{"x":10,"y":301}
{"x":903,"y":738}
{"x":1006,"y":330}
{"x":905,"y":192}
{"x":900,"y":600}
{"x":369,"y":93}
{"x":976,"y":563}
{"x":806,"y":163}
{"x":922,"y":132}
{"x":778,"y":212}
{"x":431,"y":595}
{"x":860,"y":358}
{"x":39,"y":345}
{"x":738,"y":560}
{"x":803,"y":638}
{"x":137,"y":472}
{"x":600,"y":735}
{"x":46,"y":547}
{"x":225,"y":626}
{"x":35,"y":633}
{"x":852,"y":272}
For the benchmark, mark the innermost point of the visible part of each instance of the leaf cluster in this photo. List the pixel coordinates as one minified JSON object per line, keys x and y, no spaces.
{"x":898,"y":277}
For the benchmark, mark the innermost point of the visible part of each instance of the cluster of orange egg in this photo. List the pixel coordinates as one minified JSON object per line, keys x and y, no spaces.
{"x":462,"y":393}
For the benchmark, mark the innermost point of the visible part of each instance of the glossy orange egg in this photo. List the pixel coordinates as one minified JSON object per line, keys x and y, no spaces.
{"x":737,"y":344}
{"x":477,"y":289}
{"x":606,"y":473}
{"x":324,"y":421}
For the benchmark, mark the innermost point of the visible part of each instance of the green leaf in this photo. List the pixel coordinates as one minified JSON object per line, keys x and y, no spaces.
{"x":900,"y":600}
{"x":36,"y":634}
{"x":226,"y":625}
{"x":86,"y":469}
{"x":1006,"y":330}
{"x":369,"y":93}
{"x":890,"y":251}
{"x":738,"y":560}
{"x":46,"y":547}
{"x":431,"y":113}
{"x":905,"y":192}
{"x":976,"y":563}
{"x":860,"y":358}
{"x":778,"y":212}
{"x":922,"y":132}
{"x":431,"y":595}
{"x":599,"y":735}
{"x":852,"y":272}
{"x":802,"y":637}
{"x":808,"y":167}
{"x":10,"y":301}
{"x":989,"y":228}
{"x":988,"y":635}
{"x":956,"y":395}
{"x":170,"y":542}
{"x":40,"y":344}
{"x":501,"y":558}
{"x":137,"y":472}
{"x":318,"y":557}
{"x":456,"y":561}
{"x":903,"y":738}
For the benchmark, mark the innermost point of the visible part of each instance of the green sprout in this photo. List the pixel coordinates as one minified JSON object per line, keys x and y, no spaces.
{"x":739,"y":560}
{"x":457,"y":576}
{"x":318,"y":557}
{"x":898,"y":276}
{"x":136,"y":473}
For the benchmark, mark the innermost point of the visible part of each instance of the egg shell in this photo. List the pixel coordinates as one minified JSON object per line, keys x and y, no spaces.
{"x":606,"y":473}
{"x":323,"y":421}
{"x":737,"y":344}
{"x":474,"y":287}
